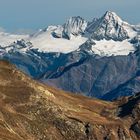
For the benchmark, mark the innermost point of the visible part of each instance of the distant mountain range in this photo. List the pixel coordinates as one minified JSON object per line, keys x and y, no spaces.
{"x":99,"y":59}
{"x":30,"y":110}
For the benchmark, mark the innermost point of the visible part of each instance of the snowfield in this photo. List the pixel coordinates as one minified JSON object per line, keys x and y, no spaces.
{"x":6,"y":38}
{"x":45,"y":42}
{"x":109,"y":48}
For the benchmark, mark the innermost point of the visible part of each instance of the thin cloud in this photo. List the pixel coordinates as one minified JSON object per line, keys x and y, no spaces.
{"x":24,"y":31}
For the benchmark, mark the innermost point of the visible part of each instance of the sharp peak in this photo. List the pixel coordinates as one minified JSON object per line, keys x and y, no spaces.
{"x":75,"y":18}
{"x":111,"y":14}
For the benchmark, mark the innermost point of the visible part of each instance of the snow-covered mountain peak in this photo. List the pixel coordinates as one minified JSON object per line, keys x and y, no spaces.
{"x":74,"y":26}
{"x":112,"y":16}
{"x":76,"y":22}
{"x":105,"y":34}
{"x":111,"y":27}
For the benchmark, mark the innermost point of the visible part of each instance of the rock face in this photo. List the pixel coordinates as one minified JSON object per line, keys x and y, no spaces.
{"x":73,"y":27}
{"x":95,"y":76}
{"x":110,"y":26}
{"x":31,"y":110}
{"x":97,"y":59}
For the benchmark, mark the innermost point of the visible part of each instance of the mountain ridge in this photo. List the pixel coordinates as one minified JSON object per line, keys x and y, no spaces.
{"x":76,"y":60}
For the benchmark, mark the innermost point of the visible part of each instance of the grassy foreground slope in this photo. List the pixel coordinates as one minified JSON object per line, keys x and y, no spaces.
{"x":30,"y":110}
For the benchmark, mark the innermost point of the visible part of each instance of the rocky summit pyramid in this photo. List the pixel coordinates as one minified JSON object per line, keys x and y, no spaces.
{"x":110,"y":26}
{"x":31,"y":110}
{"x":98,"y":58}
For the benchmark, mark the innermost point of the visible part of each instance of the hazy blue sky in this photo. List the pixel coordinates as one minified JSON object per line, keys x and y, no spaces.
{"x":34,"y":14}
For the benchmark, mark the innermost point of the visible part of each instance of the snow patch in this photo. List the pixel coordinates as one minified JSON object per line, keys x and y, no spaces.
{"x":45,"y":42}
{"x":111,"y":47}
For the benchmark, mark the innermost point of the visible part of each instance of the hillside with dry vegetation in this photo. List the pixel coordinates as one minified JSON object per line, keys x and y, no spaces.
{"x":30,"y":110}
